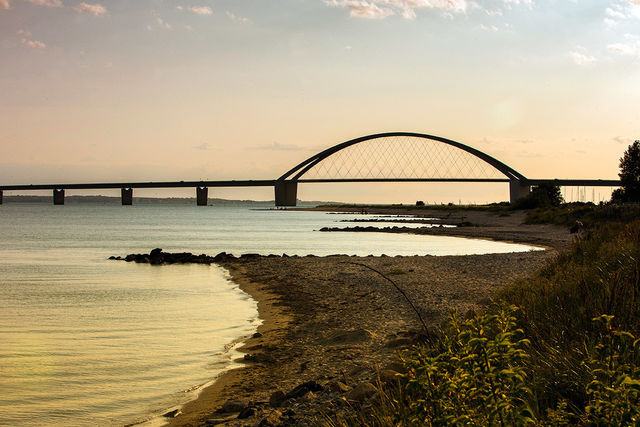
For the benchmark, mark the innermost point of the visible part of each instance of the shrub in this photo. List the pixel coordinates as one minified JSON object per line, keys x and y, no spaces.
{"x":476,"y":376}
{"x":543,"y":195}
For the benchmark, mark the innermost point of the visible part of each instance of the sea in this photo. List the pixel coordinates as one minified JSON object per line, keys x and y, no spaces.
{"x":85,"y":340}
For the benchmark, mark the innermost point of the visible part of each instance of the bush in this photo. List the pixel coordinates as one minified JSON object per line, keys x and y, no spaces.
{"x":543,"y":195}
{"x":476,"y":377}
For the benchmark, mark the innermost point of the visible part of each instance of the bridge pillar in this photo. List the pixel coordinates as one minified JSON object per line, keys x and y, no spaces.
{"x":286,"y":193}
{"x":0,"y":197}
{"x":202,"y":194}
{"x":518,"y":190}
{"x":58,"y":196}
{"x":127,"y":196}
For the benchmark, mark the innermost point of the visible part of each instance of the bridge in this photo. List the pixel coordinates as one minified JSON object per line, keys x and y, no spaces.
{"x":382,"y":157}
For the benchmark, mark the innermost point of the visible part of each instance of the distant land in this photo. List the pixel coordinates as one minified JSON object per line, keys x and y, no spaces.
{"x":115,"y":200}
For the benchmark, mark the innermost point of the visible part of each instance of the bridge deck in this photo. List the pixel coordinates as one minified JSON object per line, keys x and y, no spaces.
{"x":271,"y":183}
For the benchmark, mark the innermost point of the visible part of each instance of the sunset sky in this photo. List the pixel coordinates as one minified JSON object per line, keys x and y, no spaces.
{"x":244,"y":89}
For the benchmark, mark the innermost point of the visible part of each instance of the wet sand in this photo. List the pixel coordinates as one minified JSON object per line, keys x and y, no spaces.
{"x":336,"y":325}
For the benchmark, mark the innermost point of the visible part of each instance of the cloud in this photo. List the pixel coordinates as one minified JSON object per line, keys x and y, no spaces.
{"x":614,"y":13}
{"x":48,"y":3}
{"x":201,"y":10}
{"x":623,"y":140}
{"x":276,"y":146}
{"x":631,"y":48}
{"x":91,"y":9}
{"x":580,"y":58}
{"x":379,"y":9}
{"x":162,"y":23}
{"x":237,"y":18}
{"x":518,"y":2}
{"x":34,"y":44}
{"x":4,"y":4}
{"x":491,"y":28}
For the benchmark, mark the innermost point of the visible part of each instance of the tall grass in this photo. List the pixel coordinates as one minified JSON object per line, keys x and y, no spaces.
{"x":588,"y":213}
{"x":567,"y":355}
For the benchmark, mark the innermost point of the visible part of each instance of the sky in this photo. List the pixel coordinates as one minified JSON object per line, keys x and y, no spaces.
{"x":152,"y":90}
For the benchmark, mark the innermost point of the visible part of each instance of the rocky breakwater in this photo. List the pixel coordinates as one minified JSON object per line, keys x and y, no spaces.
{"x":158,"y":257}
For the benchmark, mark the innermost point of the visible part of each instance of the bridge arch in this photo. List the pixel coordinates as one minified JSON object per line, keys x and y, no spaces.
{"x":405,"y":147}
{"x":298,"y":171}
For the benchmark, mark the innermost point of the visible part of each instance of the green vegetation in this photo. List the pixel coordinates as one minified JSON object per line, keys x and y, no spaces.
{"x":474,"y":375}
{"x":629,"y":175}
{"x":541,"y":196}
{"x":560,"y":348}
{"x":589,"y":214}
{"x":492,"y":207}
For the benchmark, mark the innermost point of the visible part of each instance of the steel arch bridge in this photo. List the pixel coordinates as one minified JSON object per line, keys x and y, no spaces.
{"x":399,"y":157}
{"x":381,"y":157}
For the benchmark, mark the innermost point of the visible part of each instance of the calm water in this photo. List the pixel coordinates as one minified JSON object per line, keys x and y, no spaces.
{"x":87,"y":341}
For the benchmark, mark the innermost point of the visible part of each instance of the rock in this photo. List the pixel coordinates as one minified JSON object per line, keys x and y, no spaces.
{"x":338,"y":387}
{"x":349,"y":337}
{"x":399,"y":342}
{"x":303,"y":389}
{"x":233,"y":405}
{"x":172,"y":414}
{"x":218,"y":420}
{"x":272,"y":420}
{"x":256,"y":335}
{"x":389,"y":376}
{"x":361,"y":392}
{"x":276,"y":399}
{"x":220,"y":257}
{"x":250,"y":256}
{"x":247,"y":412}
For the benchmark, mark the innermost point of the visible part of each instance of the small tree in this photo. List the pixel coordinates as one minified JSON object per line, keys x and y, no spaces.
{"x":542,"y":196}
{"x":629,"y":175}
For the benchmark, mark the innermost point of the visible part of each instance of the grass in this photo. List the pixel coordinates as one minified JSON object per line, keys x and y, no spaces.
{"x":559,"y":348}
{"x":493,"y":207}
{"x":589,"y":214}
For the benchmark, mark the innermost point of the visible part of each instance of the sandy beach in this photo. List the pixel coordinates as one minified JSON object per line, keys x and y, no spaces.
{"x":331,"y":327}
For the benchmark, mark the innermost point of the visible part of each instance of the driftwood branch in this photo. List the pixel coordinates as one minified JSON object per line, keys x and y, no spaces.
{"x":415,"y":309}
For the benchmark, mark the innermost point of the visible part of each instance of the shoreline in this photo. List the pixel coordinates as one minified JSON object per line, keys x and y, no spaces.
{"x":224,"y":386}
{"x":329,"y":322}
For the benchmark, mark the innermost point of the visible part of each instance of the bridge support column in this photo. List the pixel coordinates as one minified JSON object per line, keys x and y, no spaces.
{"x":518,"y":190}
{"x":0,"y":197}
{"x":58,"y":196}
{"x":202,"y":195}
{"x":127,"y":196}
{"x":286,"y":193}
